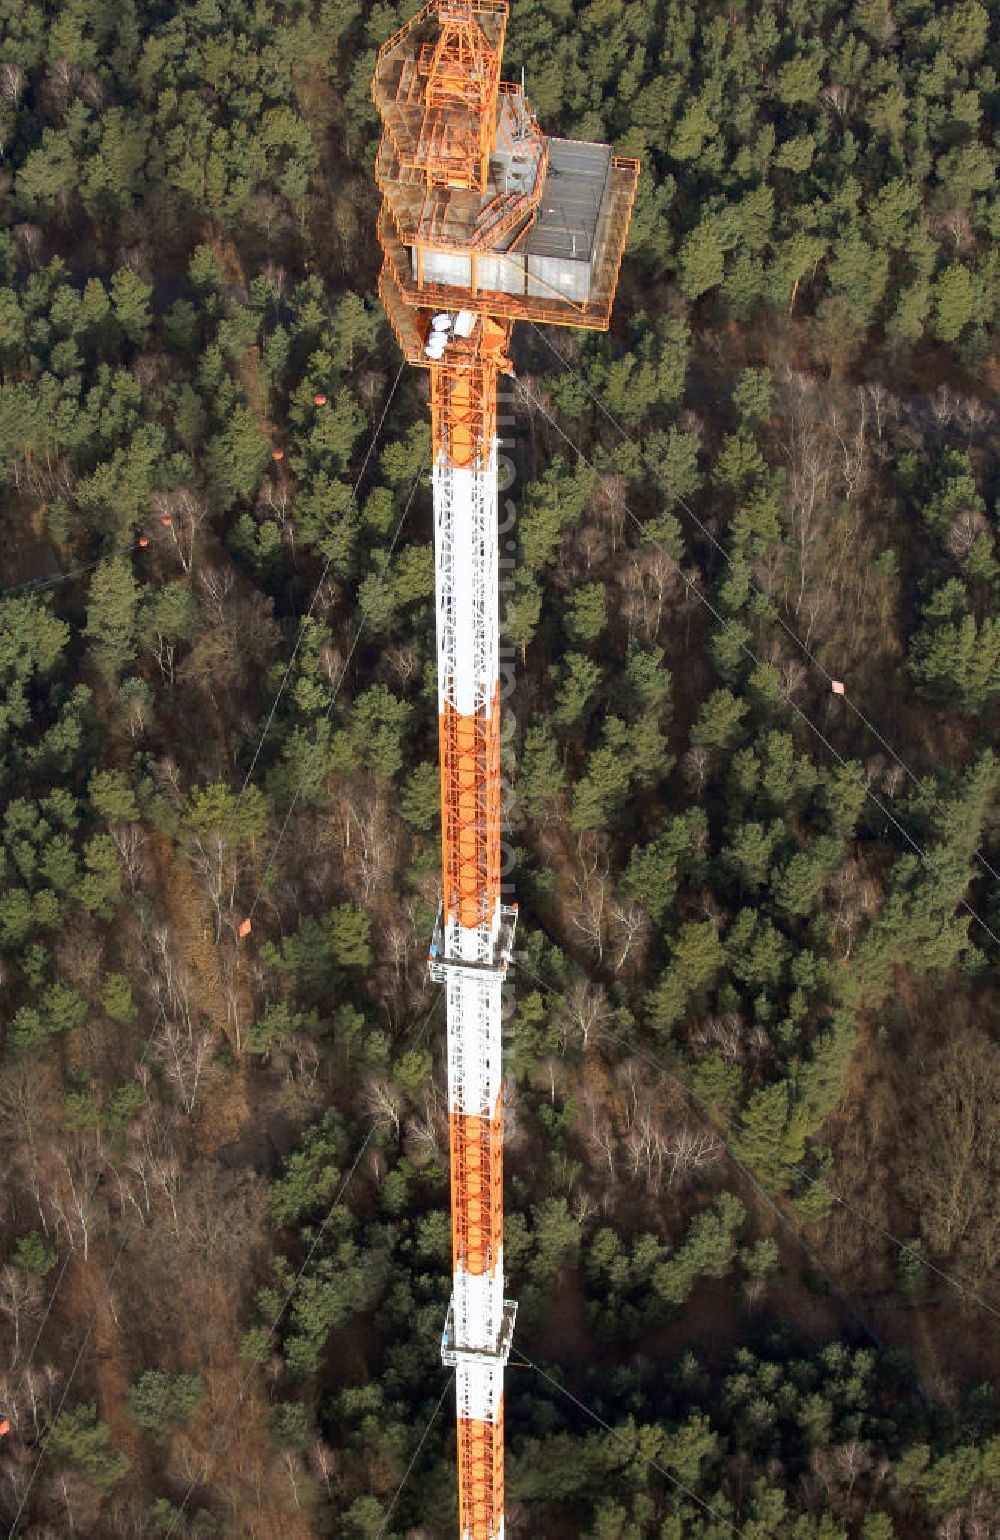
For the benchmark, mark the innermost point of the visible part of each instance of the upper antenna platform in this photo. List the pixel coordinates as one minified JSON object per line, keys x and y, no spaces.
{"x":481,"y":210}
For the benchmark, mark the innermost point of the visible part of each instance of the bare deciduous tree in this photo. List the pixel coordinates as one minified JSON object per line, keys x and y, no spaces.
{"x":165,"y":1176}
{"x":599,"y":1128}
{"x":383,"y":1103}
{"x":583,"y":1206}
{"x":589,"y":884}
{"x":11,"y":83}
{"x":181,"y":516}
{"x":944,"y":405}
{"x":60,"y":84}
{"x":403,"y":662}
{"x":303,"y":1059}
{"x":724,"y":1033}
{"x":20,"y":1300}
{"x":695,"y":765}
{"x":277,"y":498}
{"x":955,"y":226}
{"x":950,"y":1152}
{"x":974,"y":414}
{"x":29,"y":238}
{"x":809,"y":451}
{"x":216,"y":586}
{"x":78,"y":1499}
{"x":23,"y":1112}
{"x":689,"y":1151}
{"x":587,"y":548}
{"x":169,"y":976}
{"x":370,"y":841}
{"x":629,"y":925}
{"x":584,"y":1009}
{"x":186,"y":1056}
{"x":608,"y":504}
{"x":856,"y":896}
{"x":648,"y":581}
{"x":839,"y":100}
{"x":91,"y":89}
{"x":965,"y":529}
{"x":129,"y":842}
{"x":73,"y":1188}
{"x":427,"y":1132}
{"x":645,"y":1147}
{"x":37,"y":1390}
{"x":294,"y":1468}
{"x":511,"y":1111}
{"x":851,"y":432}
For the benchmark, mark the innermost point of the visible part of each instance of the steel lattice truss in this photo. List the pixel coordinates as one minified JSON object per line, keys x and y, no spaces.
{"x":469,"y":247}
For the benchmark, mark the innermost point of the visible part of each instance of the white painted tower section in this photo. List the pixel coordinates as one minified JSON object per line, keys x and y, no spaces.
{"x":467,"y":594}
{"x":468,"y":624}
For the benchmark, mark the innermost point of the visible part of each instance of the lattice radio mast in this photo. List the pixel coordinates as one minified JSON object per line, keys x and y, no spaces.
{"x":484,"y":221}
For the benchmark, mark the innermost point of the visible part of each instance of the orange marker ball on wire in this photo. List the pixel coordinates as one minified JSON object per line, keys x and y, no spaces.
{"x":143,"y":541}
{"x":277,"y":454}
{"x":166,"y":521}
{"x":319,"y":399}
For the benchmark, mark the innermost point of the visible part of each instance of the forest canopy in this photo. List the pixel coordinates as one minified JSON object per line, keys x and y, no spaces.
{"x":752,"y":1100}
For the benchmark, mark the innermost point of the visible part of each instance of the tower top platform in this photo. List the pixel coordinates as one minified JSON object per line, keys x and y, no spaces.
{"x":481,"y":210}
